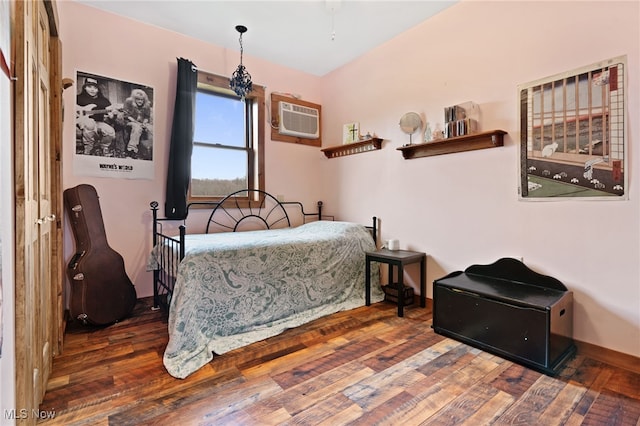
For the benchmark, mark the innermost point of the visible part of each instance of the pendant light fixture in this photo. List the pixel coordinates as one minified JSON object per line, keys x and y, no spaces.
{"x":240,"y":81}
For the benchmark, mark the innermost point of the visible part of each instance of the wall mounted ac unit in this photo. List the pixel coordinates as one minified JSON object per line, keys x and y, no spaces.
{"x":298,"y":120}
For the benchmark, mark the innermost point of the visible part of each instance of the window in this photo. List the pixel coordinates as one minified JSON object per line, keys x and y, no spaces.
{"x":228,"y":146}
{"x":572,"y":117}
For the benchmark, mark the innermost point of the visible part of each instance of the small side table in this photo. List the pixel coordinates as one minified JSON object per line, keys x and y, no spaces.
{"x":397,"y":258}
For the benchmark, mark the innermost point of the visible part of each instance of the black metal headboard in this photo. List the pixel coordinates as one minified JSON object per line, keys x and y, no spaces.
{"x":255,"y":209}
{"x":240,"y":207}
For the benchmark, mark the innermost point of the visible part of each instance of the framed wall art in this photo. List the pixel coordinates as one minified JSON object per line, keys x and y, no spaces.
{"x":114,"y":128}
{"x":350,"y":133}
{"x":573,"y":134}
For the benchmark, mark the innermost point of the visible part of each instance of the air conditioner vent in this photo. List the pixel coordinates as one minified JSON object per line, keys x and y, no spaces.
{"x":298,"y":120}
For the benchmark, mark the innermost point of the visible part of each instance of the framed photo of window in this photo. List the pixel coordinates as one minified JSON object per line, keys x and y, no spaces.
{"x":573,"y":134}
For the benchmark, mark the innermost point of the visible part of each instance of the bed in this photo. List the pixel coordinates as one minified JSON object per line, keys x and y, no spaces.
{"x":226,"y":289}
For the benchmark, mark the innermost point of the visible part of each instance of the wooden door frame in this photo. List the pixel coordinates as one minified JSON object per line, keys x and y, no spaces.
{"x":25,"y":396}
{"x":57,"y":206}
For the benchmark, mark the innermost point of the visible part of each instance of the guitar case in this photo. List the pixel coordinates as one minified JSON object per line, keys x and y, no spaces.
{"x":101,"y":291}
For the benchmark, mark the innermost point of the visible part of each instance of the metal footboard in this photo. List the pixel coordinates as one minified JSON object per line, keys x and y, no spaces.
{"x":168,"y":258}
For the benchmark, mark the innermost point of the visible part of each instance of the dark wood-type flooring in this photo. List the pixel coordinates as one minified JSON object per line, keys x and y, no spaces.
{"x":364,"y":367}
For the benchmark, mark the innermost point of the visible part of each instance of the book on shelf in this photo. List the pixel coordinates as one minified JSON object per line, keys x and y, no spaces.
{"x":462,"y":127}
{"x":454,"y":113}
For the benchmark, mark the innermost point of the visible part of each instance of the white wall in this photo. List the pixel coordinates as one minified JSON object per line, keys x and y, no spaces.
{"x":7,"y":240}
{"x":463,"y":209}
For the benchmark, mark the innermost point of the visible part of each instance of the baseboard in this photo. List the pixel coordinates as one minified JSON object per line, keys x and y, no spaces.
{"x":617,"y":359}
{"x":416,"y":302}
{"x":429,"y":304}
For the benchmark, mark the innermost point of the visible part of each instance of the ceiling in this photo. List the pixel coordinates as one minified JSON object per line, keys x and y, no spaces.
{"x":314,"y":36}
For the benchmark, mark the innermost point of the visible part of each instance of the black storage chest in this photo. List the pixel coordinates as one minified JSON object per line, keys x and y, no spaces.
{"x":509,"y":310}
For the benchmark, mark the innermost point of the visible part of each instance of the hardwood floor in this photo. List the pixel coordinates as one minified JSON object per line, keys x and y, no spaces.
{"x":361,"y":367}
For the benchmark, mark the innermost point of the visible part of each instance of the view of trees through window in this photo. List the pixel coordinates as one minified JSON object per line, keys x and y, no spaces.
{"x":222,"y":148}
{"x":216,"y":187}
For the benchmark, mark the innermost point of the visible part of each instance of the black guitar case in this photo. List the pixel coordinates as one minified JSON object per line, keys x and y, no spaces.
{"x":101,"y":291}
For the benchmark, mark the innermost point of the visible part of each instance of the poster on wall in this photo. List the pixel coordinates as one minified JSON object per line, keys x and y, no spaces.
{"x":573,"y":138}
{"x":114,"y":128}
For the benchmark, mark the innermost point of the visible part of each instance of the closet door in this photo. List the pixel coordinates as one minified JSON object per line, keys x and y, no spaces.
{"x":45,"y":221}
{"x":36,"y":214}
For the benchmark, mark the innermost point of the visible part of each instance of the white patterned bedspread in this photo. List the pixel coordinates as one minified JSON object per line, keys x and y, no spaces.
{"x":234,"y":289}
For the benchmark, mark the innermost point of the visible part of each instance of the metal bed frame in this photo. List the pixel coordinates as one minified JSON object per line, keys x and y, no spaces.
{"x":236,"y":208}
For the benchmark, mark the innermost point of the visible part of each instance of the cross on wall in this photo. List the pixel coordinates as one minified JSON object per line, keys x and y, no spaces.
{"x":353,"y":130}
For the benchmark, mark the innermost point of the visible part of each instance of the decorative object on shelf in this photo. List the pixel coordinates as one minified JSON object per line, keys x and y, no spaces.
{"x":350,"y":133}
{"x":461,"y":119}
{"x":372,"y":144}
{"x":490,"y":139}
{"x":410,"y":123}
{"x":437,"y":133}
{"x":240,"y":81}
{"x":428,"y":135}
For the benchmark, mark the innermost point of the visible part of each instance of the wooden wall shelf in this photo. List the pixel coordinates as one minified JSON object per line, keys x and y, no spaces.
{"x":482,"y":140}
{"x":353,"y":148}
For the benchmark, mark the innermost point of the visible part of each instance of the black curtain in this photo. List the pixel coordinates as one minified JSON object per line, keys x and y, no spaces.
{"x":179,"y":172}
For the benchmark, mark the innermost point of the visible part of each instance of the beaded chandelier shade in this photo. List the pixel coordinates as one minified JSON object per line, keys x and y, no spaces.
{"x":240,"y":81}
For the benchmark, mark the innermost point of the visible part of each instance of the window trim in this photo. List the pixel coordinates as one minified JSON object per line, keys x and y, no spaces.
{"x":220,"y":84}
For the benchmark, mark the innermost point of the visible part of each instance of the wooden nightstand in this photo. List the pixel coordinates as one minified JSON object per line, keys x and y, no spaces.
{"x":397,"y":258}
